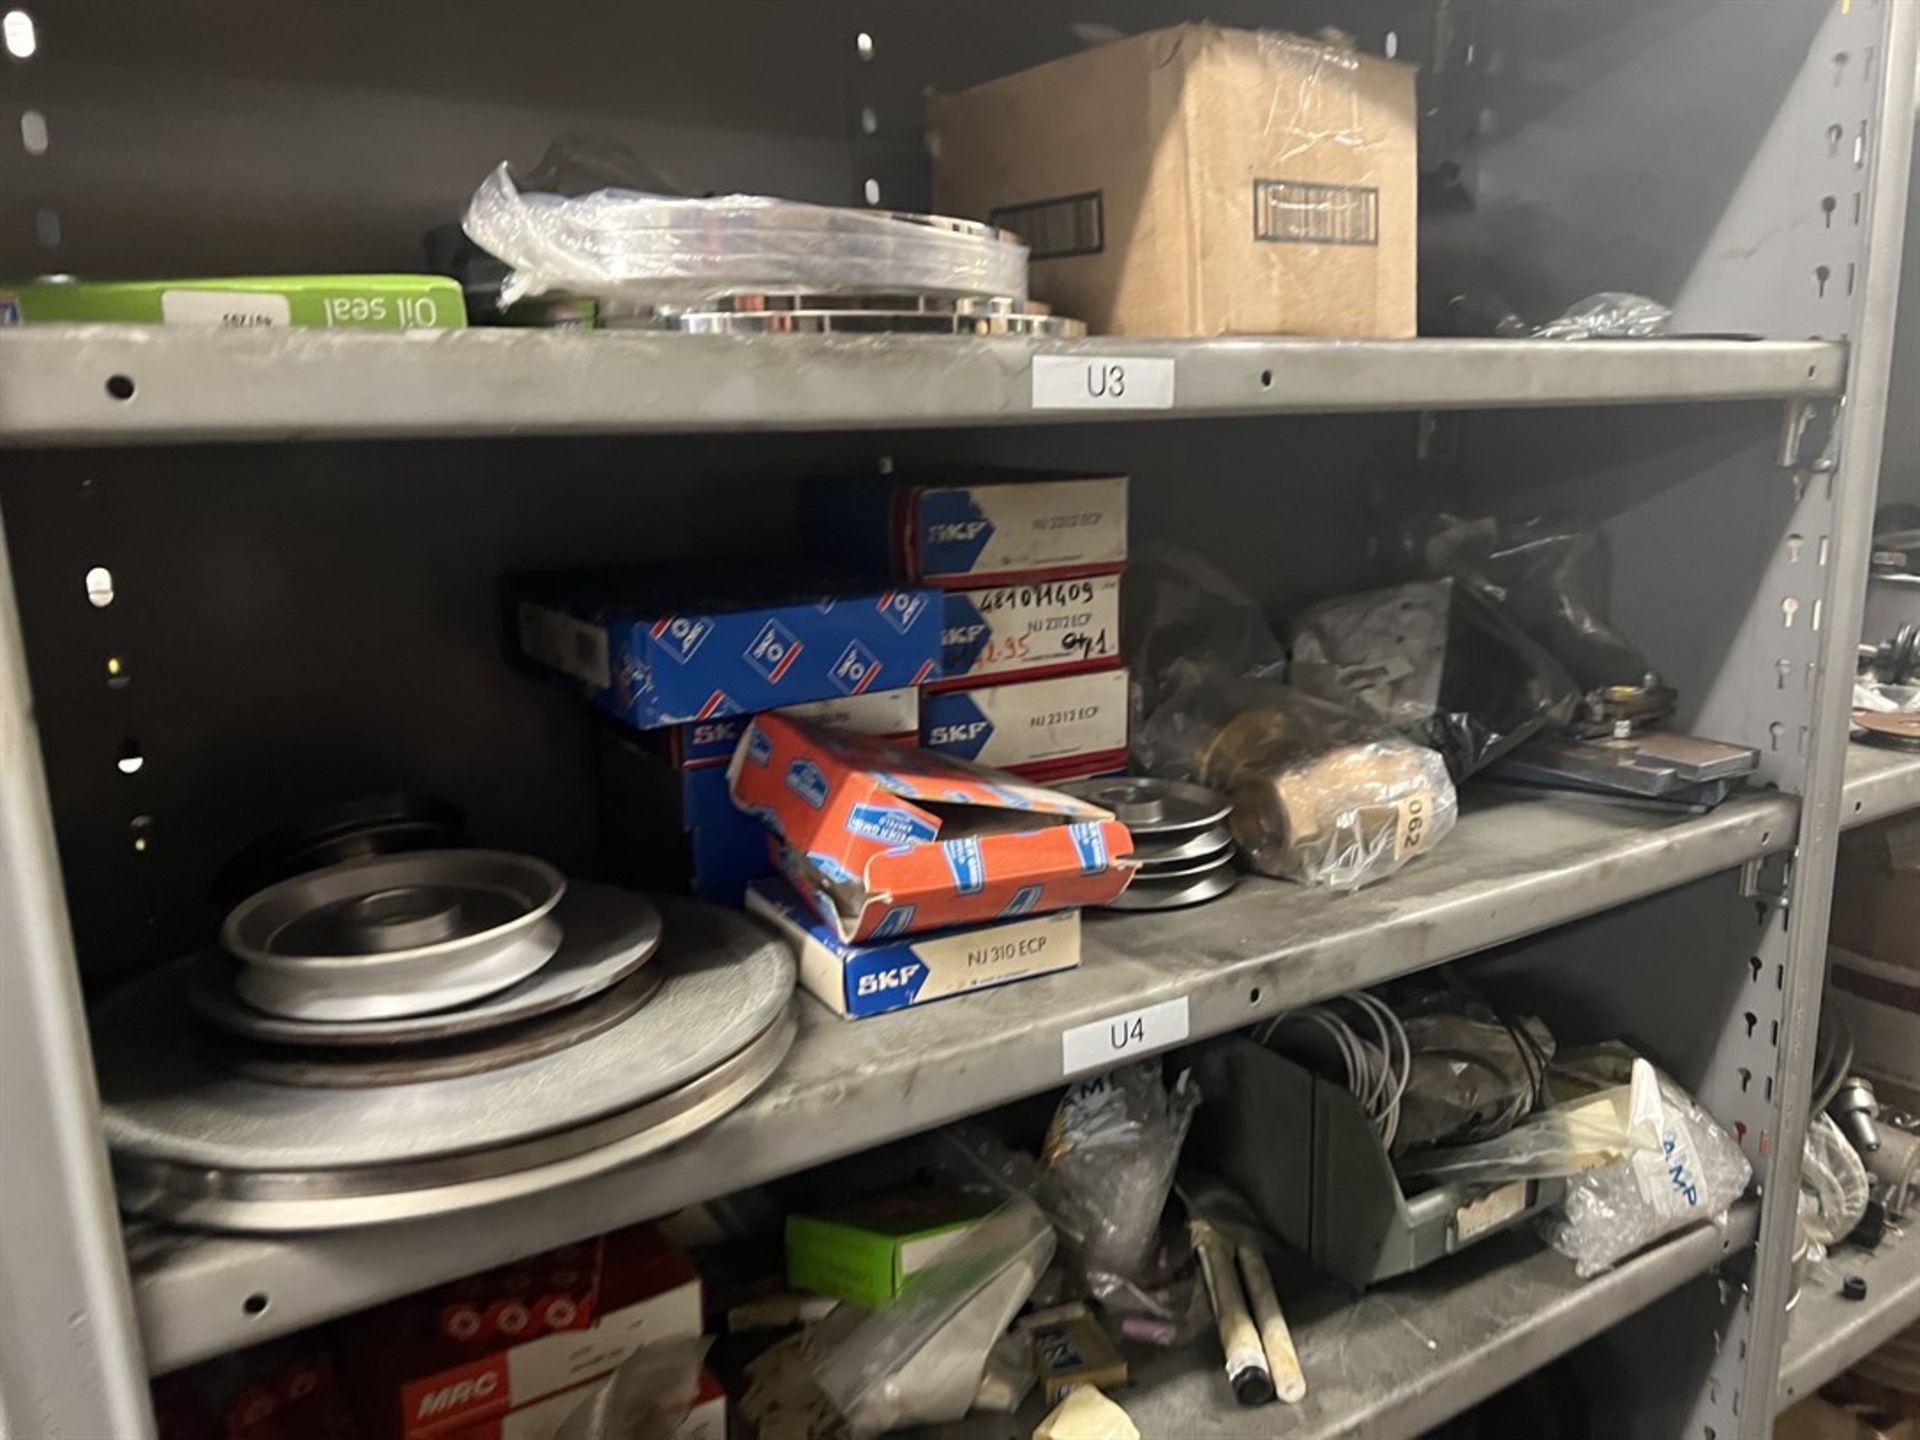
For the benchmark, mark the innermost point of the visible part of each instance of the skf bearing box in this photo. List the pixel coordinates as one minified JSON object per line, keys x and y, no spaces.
{"x":1198,"y":181}
{"x":442,"y":1361}
{"x":970,"y":529}
{"x":665,"y":647}
{"x":706,"y":1417}
{"x":1065,"y":728}
{"x":885,"y":840}
{"x":1048,"y":627}
{"x":256,"y":302}
{"x":861,"y":980}
{"x":891,"y":714}
{"x":863,"y":1253}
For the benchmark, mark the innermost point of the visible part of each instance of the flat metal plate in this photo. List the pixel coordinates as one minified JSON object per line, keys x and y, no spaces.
{"x":167,"y":1097}
{"x":605,"y":935}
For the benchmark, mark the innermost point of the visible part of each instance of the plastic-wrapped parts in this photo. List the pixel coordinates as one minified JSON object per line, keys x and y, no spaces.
{"x":659,"y":250}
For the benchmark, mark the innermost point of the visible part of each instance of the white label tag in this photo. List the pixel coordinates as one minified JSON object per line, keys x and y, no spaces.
{"x":239,"y":309}
{"x":1093,"y":382}
{"x":1120,"y":1038}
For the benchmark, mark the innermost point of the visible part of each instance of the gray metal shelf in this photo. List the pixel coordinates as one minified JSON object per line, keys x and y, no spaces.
{"x":187,"y":385}
{"x":1404,"y":1357}
{"x":1879,"y":783}
{"x":1828,"y":1332}
{"x":1516,"y":865}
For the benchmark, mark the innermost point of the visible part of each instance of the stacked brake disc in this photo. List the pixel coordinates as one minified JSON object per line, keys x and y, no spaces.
{"x":1181,"y":840}
{"x":407,"y":1034}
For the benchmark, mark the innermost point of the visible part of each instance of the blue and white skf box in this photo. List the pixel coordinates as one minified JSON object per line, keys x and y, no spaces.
{"x":976,"y":528}
{"x":1067,"y":727}
{"x":889,"y":714}
{"x":1021,"y":632}
{"x":882,"y":975}
{"x":662,"y":647}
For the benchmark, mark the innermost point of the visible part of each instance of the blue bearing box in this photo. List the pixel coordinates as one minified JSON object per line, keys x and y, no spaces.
{"x":858,"y":980}
{"x":666,"y":646}
{"x":663,"y":827}
{"x":966,"y":528}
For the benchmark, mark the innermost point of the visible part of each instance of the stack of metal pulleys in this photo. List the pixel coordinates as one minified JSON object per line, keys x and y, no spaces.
{"x":1182,"y":846}
{"x":408,"y":1034}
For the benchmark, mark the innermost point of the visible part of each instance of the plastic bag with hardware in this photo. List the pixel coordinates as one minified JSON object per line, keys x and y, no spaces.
{"x":1834,"y":1179}
{"x":1608,"y":315}
{"x":1696,"y":1174}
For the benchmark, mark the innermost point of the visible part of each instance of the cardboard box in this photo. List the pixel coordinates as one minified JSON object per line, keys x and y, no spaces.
{"x":706,"y":1418}
{"x":668,"y":646}
{"x":1876,"y":892}
{"x":1049,"y":627}
{"x":284,"y":1390}
{"x":890,"y":714}
{"x":353,"y":302}
{"x":1198,"y":181}
{"x":970,"y":529}
{"x":1071,"y":726}
{"x":434,"y":1363}
{"x":883,"y":840}
{"x":856,"y":981}
{"x":865,"y":1252}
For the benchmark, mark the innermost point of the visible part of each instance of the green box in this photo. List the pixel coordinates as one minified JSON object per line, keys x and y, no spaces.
{"x":865,"y":1252}
{"x":322,"y":302}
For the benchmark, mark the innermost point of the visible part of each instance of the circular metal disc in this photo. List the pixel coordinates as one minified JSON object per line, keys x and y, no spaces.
{"x":281,"y":1201}
{"x":1154,"y":850}
{"x":1184,"y":869}
{"x":1157,"y":809}
{"x":605,"y":935}
{"x":379,"y":990}
{"x":1172,"y":894}
{"x":876,"y":322}
{"x":361,"y":1068}
{"x":167,"y":1094}
{"x":393,"y":909}
{"x":1900,"y":732}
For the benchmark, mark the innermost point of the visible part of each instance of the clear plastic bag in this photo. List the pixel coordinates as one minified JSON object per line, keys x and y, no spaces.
{"x":1110,"y":1155}
{"x":660,"y":250}
{"x":1609,"y":315}
{"x":1696,"y":1174}
{"x":1571,"y":1138}
{"x":645,"y":1399}
{"x":1439,"y":662}
{"x":919,"y":1360}
{"x":1834,"y":1178}
{"x":1319,"y":796}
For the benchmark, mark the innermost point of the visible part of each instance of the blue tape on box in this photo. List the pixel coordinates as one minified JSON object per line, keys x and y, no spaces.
{"x":666,"y":647}
{"x":881,"y":975}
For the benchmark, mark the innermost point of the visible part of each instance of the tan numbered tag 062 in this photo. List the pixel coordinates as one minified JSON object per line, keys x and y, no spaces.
{"x":1413,"y":825}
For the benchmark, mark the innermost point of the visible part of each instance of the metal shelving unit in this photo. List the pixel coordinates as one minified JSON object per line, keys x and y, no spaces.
{"x":1754,"y":174}
{"x":1829,"y":1332}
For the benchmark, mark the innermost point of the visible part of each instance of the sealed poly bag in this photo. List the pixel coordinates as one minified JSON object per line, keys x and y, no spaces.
{"x":1696,"y":1174}
{"x":1437,"y":661}
{"x":1571,"y":1138}
{"x":1833,"y":1183}
{"x":664,"y":250}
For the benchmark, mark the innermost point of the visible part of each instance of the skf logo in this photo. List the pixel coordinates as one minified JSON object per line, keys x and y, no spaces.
{"x":954,"y":532}
{"x":902,"y":609}
{"x":681,"y":635}
{"x":759,"y":747}
{"x":773,"y":651}
{"x":457,"y":1395}
{"x":714,"y":733}
{"x":969,"y":866}
{"x":955,"y":637}
{"x":881,"y":981}
{"x":961,"y":734}
{"x":1090,"y":843}
{"x":854,"y":672}
{"x":807,"y":780}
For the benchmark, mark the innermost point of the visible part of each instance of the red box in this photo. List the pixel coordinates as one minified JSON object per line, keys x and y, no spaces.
{"x":435,"y":1364}
{"x":883,"y":839}
{"x":286,"y":1390}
